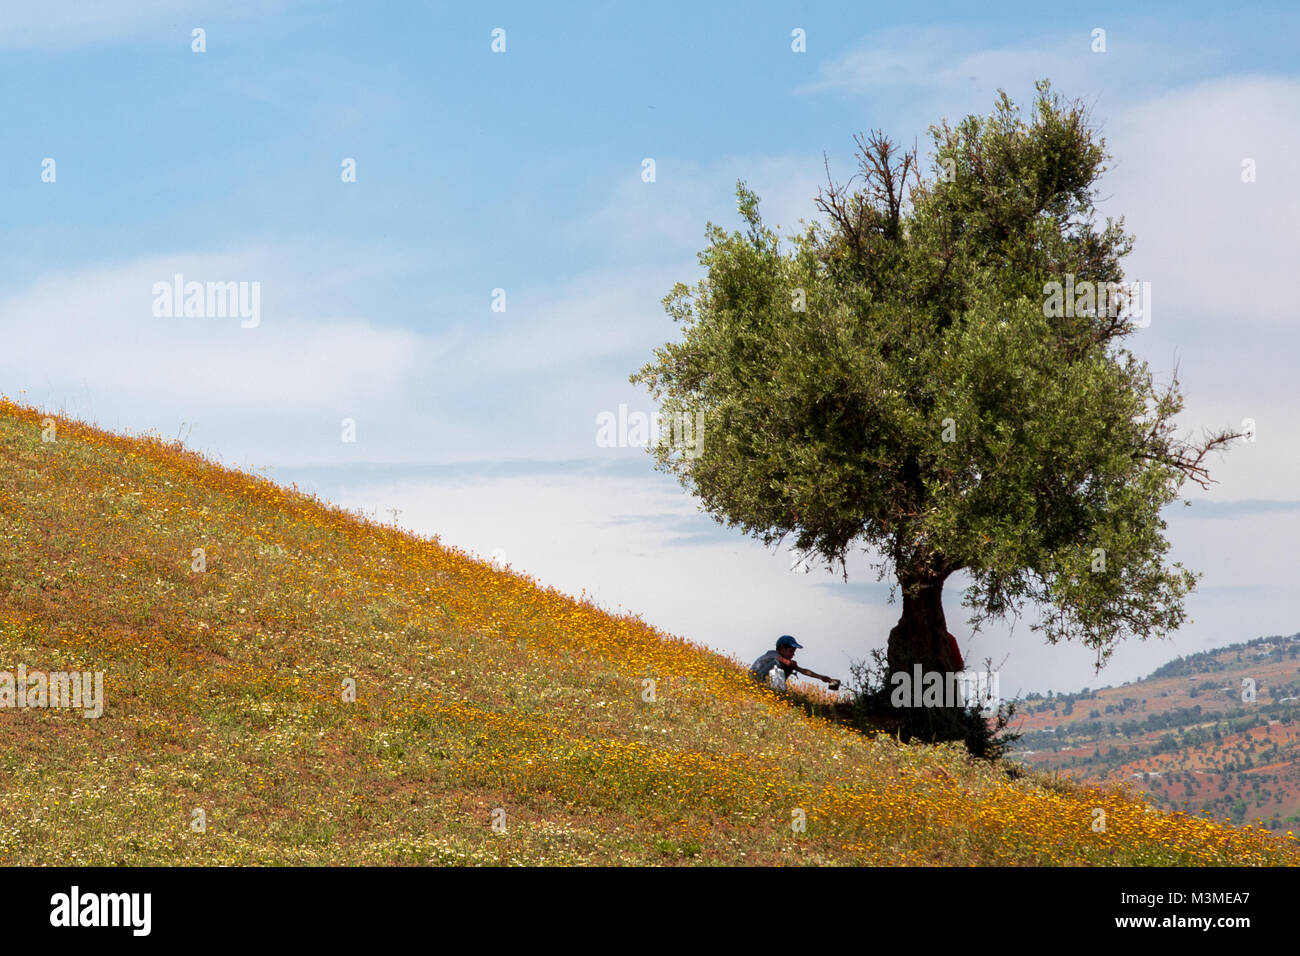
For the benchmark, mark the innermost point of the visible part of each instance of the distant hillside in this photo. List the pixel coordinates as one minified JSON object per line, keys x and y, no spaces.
{"x":285,"y":682}
{"x":1215,"y":733}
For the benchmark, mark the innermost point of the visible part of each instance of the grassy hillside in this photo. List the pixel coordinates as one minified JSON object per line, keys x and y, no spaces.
{"x":477,"y":691}
{"x":1187,"y":736}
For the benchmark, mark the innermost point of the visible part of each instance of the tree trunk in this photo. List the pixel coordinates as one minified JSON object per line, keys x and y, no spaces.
{"x":921,"y":638}
{"x":921,"y":634}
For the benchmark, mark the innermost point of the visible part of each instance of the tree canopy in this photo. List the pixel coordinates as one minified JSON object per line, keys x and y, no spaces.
{"x":935,"y":372}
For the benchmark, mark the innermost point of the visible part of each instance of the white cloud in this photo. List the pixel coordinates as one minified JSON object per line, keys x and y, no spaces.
{"x":87,"y":341}
{"x":526,"y":383}
{"x":1218,"y":253}
{"x":572,"y":322}
{"x":97,"y":325}
{"x":1217,"y":250}
{"x":934,"y":72}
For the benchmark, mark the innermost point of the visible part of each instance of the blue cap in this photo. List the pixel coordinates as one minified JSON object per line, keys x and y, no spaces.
{"x":785,"y":640}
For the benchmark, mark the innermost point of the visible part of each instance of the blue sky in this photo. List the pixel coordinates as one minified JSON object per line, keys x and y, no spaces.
{"x":521,"y":171}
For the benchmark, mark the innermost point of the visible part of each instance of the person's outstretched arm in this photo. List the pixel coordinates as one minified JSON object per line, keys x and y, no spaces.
{"x":821,"y":677}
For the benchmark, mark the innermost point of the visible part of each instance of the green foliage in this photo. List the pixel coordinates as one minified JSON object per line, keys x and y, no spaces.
{"x":894,"y":382}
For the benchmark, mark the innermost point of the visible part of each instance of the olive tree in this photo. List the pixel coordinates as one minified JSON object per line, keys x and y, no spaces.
{"x":934,"y":372}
